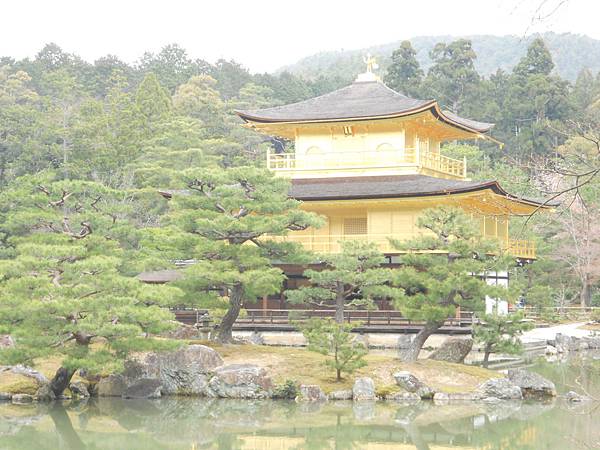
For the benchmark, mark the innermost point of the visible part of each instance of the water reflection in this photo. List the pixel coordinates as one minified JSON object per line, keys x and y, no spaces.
{"x":225,"y":424}
{"x":181,"y":423}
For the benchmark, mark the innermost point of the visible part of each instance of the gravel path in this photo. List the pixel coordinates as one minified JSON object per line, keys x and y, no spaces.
{"x":569,"y":329}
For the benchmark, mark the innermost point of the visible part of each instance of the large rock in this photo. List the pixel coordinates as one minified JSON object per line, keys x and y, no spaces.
{"x":344,"y":394}
{"x":409,"y":397}
{"x":20,"y":380}
{"x":593,"y":342}
{"x":183,"y":372}
{"x":501,"y":388}
{"x":532,"y":385}
{"x":45,"y":394}
{"x":240,"y":381}
{"x":363,"y":389}
{"x":411,"y":383}
{"x":111,"y":386}
{"x":80,"y":389}
{"x":143,"y":388}
{"x":311,"y":393}
{"x":453,"y":350}
{"x":565,"y":344}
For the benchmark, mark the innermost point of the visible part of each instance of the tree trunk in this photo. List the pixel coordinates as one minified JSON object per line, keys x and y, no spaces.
{"x":339,"y":304}
{"x":339,"y":374}
{"x":61,"y":380}
{"x":235,"y":305}
{"x":486,"y":355}
{"x":412,"y":352}
{"x":585,"y":296}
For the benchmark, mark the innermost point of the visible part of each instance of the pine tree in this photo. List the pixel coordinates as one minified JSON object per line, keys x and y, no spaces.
{"x":452,"y":79}
{"x":439,"y":272}
{"x":224,"y":223}
{"x":352,"y":278}
{"x":404,"y":73}
{"x":67,"y":287}
{"x":333,"y":339}
{"x":499,"y":333}
{"x":538,"y":60}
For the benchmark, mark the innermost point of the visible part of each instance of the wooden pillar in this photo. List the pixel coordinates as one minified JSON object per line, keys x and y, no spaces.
{"x":265,"y":301}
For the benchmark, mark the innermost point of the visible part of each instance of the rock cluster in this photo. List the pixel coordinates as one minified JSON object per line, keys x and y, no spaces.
{"x":194,"y":370}
{"x":532,"y":385}
{"x":566,"y":344}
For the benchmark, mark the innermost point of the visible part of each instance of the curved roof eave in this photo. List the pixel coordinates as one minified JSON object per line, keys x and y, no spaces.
{"x":432,"y":106}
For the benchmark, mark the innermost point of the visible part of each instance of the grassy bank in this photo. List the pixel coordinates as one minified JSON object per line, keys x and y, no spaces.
{"x":307,"y":367}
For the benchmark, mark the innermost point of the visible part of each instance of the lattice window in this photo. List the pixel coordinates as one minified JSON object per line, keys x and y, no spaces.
{"x":355,"y":225}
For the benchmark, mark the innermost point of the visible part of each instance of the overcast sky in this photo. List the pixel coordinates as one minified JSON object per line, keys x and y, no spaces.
{"x":264,"y":35}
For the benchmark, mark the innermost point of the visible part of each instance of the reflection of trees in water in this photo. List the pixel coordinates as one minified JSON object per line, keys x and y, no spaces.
{"x":64,"y":427}
{"x":224,"y":424}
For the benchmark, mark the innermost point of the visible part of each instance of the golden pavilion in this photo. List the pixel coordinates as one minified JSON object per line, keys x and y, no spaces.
{"x":368,"y":159}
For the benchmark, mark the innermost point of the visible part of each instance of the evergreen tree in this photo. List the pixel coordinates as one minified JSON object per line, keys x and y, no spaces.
{"x":437,"y":272}
{"x":334,"y":339}
{"x":67,"y":288}
{"x":354,"y":277}
{"x":404,"y":73}
{"x":224,"y":224}
{"x":452,"y":77}
{"x":499,"y":333}
{"x":537,"y":61}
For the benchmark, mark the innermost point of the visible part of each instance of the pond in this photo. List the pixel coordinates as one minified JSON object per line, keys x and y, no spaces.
{"x":185,"y":423}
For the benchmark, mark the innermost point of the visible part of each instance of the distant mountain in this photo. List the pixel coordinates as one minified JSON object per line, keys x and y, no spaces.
{"x":571,"y":53}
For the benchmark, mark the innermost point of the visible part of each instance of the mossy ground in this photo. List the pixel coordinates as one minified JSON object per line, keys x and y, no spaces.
{"x":307,"y":367}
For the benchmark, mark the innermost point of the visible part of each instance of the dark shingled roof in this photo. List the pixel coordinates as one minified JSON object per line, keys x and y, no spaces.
{"x":362,"y":99}
{"x":160,"y":276}
{"x":396,"y":186}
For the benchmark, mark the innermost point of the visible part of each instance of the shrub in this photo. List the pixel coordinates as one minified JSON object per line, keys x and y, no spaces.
{"x":289,"y":389}
{"x":335,"y":340}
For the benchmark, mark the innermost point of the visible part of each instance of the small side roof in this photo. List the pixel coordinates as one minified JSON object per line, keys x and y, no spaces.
{"x":359,"y":101}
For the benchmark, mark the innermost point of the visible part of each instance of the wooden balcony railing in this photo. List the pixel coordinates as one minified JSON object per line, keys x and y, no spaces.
{"x":332,"y":243}
{"x":367,"y":159}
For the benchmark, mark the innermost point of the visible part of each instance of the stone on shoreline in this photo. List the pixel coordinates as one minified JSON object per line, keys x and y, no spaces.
{"x":111,"y":386}
{"x":501,"y":388}
{"x":574,"y":397}
{"x":311,"y":393}
{"x":22,"y":399}
{"x":79,"y":389}
{"x":45,"y":394}
{"x":453,"y":350}
{"x":240,"y":381}
{"x":182,"y":372}
{"x":411,"y":397}
{"x":533,"y":386}
{"x":344,"y":394}
{"x":5,"y":396}
{"x":411,"y":383}
{"x":143,"y":388}
{"x":363,"y":389}
{"x":444,"y":398}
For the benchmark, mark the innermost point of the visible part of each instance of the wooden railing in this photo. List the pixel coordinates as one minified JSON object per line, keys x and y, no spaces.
{"x":521,"y":248}
{"x":363,"y":317}
{"x":332,"y":243}
{"x":366,"y":159}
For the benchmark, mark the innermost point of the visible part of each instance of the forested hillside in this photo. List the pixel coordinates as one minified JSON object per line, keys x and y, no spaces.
{"x":571,"y":54}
